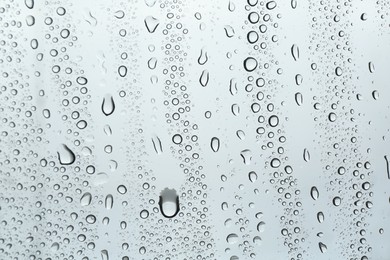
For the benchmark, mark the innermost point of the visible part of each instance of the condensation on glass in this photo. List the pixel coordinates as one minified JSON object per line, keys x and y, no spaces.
{"x":178,"y":129}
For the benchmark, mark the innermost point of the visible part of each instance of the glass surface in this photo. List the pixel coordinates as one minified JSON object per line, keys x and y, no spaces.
{"x":178,"y":129}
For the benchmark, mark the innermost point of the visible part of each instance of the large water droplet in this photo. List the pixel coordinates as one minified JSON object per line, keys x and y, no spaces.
{"x":169,"y":203}
{"x":65,"y":155}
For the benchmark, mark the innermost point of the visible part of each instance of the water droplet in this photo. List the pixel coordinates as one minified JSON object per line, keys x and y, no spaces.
{"x":215,"y":144}
{"x":273,"y":121}
{"x":108,"y":105}
{"x":151,"y":23}
{"x":204,"y":78}
{"x":122,"y":71}
{"x":232,"y":238}
{"x":229,"y":31}
{"x":314,"y":193}
{"x":299,"y":98}
{"x":320,"y":217}
{"x":295,"y":52}
{"x":252,"y":176}
{"x":203,"y":58}
{"x":371,"y":67}
{"x":177,"y":139}
{"x":306,"y":155}
{"x":336,"y":201}
{"x":86,"y":199}
{"x":246,"y":156}
{"x":169,"y":203}
{"x":250,"y":64}
{"x":157,"y":145}
{"x":322,"y":247}
{"x":109,"y":201}
{"x":66,"y":156}
{"x":29,"y":4}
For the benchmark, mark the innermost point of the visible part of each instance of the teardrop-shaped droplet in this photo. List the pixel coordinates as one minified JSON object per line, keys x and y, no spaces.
{"x":109,"y":201}
{"x":86,"y":199}
{"x":151,"y":23}
{"x":306,"y":155}
{"x":169,"y":203}
{"x":231,"y":6}
{"x":252,"y":176}
{"x":295,"y":52}
{"x":293,"y":4}
{"x":314,"y":193}
{"x":215,"y":144}
{"x":320,"y":217}
{"x":204,"y":78}
{"x":157,"y":145}
{"x":65,"y":155}
{"x":203,"y":58}
{"x":108,"y":105}
{"x":246,"y":156}
{"x":299,"y":98}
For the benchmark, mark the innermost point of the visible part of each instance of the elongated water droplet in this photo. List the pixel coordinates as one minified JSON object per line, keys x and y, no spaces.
{"x":299,"y":98}
{"x":306,"y":155}
{"x":204,"y":78}
{"x":320,"y":217}
{"x":157,"y":145}
{"x":371,"y":67}
{"x":109,"y":201}
{"x":65,"y":155}
{"x":295,"y":52}
{"x":108,"y":105}
{"x":104,"y":255}
{"x":229,"y":31}
{"x":233,"y":87}
{"x":387,"y":167}
{"x":203,"y":58}
{"x":314,"y":193}
{"x":215,"y":144}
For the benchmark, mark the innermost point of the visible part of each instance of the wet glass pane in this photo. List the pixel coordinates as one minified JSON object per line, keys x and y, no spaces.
{"x":178,"y":129}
